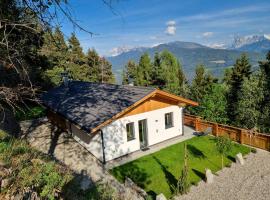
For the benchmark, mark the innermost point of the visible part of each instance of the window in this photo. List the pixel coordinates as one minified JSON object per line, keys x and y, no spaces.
{"x":168,"y":120}
{"x":130,"y":131}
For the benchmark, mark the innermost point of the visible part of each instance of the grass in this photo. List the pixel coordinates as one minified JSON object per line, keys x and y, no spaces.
{"x":31,"y":112}
{"x":158,"y":172}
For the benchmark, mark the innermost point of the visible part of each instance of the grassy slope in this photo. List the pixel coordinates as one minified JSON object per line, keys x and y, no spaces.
{"x":158,"y":172}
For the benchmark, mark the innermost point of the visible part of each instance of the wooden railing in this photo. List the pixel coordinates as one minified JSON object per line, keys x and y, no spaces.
{"x":243,"y":136}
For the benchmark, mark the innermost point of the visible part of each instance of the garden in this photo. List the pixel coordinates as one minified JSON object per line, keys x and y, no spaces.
{"x":159,"y":172}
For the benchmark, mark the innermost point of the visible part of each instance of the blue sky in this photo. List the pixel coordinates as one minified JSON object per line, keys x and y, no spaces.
{"x":134,"y":23}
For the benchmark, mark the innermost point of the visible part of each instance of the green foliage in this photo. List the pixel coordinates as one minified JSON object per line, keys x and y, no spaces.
{"x":248,"y":108}
{"x":223,"y":146}
{"x":213,"y":105}
{"x":70,"y":57}
{"x":143,"y":71}
{"x":265,"y":105}
{"x":183,"y":184}
{"x":240,"y":71}
{"x":129,"y":72}
{"x":31,"y":112}
{"x":102,"y":192}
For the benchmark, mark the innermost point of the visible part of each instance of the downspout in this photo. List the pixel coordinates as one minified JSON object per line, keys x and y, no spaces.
{"x":183,"y":133}
{"x":103,"y":147}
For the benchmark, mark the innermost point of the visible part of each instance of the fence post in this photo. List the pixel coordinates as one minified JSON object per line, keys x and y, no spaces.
{"x":241,"y":136}
{"x":215,"y":131}
{"x":197,"y":124}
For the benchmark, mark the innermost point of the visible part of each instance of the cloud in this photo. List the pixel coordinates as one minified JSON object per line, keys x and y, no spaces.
{"x":217,"y":45}
{"x":171,"y":27}
{"x":171,"y":23}
{"x":207,"y":34}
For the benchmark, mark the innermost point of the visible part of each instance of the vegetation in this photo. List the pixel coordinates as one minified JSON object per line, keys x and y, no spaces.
{"x":31,"y":112}
{"x":27,"y":169}
{"x":157,"y":173}
{"x":183,"y":182}
{"x":223,"y":146}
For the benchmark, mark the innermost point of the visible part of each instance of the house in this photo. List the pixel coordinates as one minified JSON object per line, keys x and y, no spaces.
{"x":112,"y":121}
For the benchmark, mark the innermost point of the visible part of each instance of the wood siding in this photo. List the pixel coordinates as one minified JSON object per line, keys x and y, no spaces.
{"x":153,"y":103}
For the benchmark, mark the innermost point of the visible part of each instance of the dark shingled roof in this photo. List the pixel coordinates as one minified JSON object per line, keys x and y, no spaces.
{"x":90,"y":104}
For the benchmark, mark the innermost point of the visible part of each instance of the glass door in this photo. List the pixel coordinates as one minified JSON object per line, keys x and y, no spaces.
{"x":143,"y":133}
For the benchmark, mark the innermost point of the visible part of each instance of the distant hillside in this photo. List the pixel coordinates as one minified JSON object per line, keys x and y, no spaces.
{"x":190,"y":54}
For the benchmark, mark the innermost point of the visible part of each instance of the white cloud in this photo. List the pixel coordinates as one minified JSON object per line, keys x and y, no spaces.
{"x":207,"y":34}
{"x":217,"y":45}
{"x":171,"y":23}
{"x":171,"y":27}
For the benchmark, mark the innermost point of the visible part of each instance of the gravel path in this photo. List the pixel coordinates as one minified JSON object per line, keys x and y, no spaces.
{"x":248,"y":182}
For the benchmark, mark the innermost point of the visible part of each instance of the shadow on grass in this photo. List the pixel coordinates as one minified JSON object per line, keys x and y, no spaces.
{"x":152,"y":194}
{"x":194,"y":151}
{"x":132,"y":171}
{"x":199,"y":174}
{"x":231,"y":158}
{"x":171,"y":180}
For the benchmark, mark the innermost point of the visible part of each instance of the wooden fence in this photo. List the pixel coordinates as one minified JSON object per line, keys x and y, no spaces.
{"x":239,"y":135}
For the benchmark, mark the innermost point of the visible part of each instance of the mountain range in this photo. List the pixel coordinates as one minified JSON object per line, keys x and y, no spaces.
{"x":191,"y":54}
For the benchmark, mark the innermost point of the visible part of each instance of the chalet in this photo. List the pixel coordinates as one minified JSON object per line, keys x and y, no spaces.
{"x":112,"y":121}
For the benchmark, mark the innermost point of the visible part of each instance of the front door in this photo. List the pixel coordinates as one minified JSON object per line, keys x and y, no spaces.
{"x":143,"y":133}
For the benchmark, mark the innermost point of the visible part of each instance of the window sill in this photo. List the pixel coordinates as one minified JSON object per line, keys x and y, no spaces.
{"x":167,"y":127}
{"x":129,"y":140}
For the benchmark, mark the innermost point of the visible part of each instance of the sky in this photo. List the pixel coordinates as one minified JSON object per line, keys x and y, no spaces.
{"x":136,"y":23}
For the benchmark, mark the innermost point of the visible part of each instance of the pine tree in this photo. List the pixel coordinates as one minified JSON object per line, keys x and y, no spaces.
{"x":76,"y":54}
{"x":200,"y":87}
{"x":240,"y":71}
{"x":100,"y":69}
{"x":129,"y":72}
{"x":265,"y":106}
{"x":144,"y":70}
{"x":248,"y":109}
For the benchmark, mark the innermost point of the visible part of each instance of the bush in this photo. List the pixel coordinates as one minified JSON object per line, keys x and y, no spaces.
{"x":33,"y":112}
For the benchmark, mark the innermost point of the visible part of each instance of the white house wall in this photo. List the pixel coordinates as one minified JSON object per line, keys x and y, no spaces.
{"x":92,"y":144}
{"x":115,"y":136}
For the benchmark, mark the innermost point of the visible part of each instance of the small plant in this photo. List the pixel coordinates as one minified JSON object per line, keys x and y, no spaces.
{"x":183,"y":184}
{"x":223,"y":145}
{"x":253,"y":150}
{"x":102,"y":192}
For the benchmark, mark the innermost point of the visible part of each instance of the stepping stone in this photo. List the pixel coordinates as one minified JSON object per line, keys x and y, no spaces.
{"x":239,"y":159}
{"x":209,"y":176}
{"x":161,"y":197}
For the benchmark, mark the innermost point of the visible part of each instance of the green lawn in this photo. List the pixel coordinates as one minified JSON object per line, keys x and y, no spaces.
{"x":158,"y":172}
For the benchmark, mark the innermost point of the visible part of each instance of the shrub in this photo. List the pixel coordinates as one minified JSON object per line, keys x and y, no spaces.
{"x":223,"y":145}
{"x":102,"y":192}
{"x":253,"y":150}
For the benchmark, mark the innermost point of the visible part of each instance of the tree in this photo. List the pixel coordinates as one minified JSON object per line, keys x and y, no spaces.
{"x":240,"y":71}
{"x":265,"y":105}
{"x":168,"y":74}
{"x":100,"y":70}
{"x":223,"y":145}
{"x":129,"y":72}
{"x":144,"y":70}
{"x":248,"y":109}
{"x":200,"y":86}
{"x":183,"y":184}
{"x":213,"y":106}
{"x":76,"y":54}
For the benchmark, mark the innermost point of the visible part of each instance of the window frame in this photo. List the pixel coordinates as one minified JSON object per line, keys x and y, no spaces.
{"x":167,"y":126}
{"x":132,"y":125}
